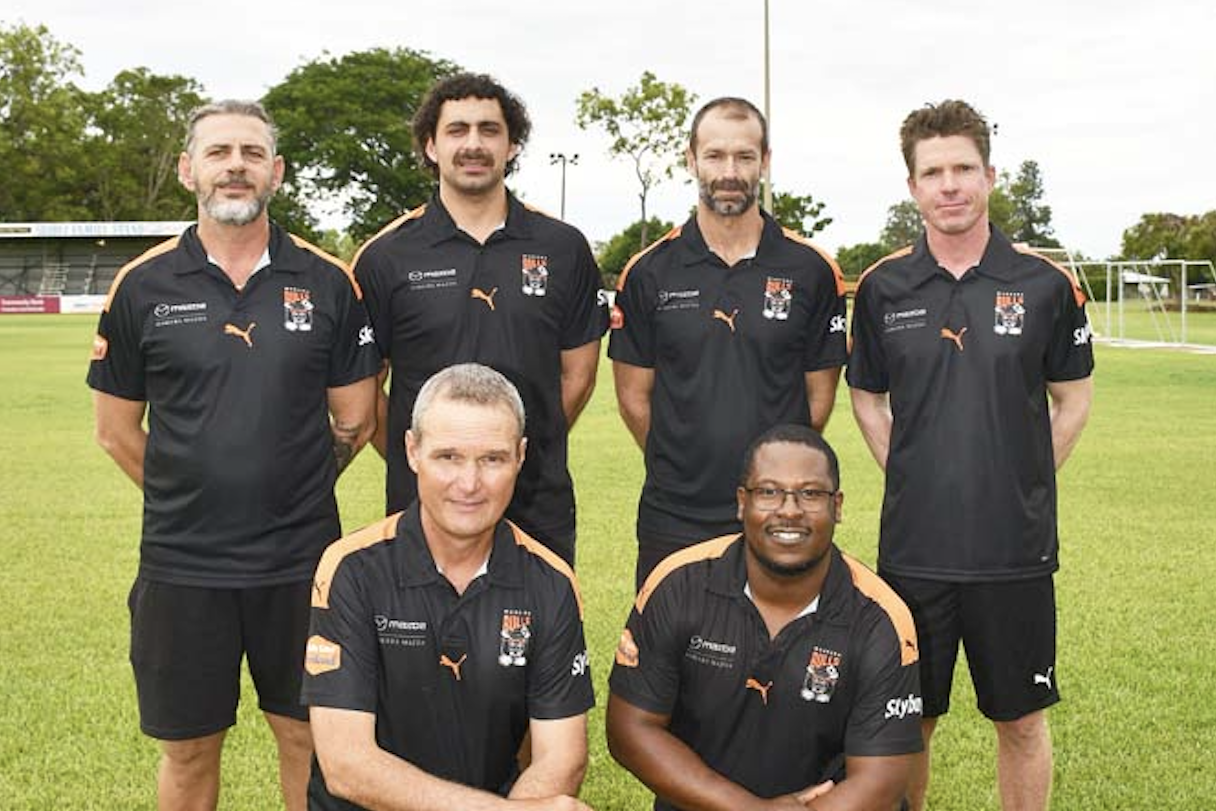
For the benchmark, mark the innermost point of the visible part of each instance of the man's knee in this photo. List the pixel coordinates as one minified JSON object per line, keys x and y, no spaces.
{"x":290,"y":734}
{"x":196,"y":755}
{"x":1026,"y":733}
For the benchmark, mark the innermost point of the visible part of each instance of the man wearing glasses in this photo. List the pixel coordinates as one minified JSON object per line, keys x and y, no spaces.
{"x":769,"y":665}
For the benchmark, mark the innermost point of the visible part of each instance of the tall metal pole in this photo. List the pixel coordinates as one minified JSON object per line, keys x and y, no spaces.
{"x":563,"y":159}
{"x":768,"y":115}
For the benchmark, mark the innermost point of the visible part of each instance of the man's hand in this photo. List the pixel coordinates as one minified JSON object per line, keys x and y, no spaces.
{"x":560,"y":803}
{"x":807,"y":795}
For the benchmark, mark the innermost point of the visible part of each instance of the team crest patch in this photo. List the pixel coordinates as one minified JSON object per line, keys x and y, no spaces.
{"x":1010,"y":313}
{"x":297,"y":309}
{"x":322,"y":656}
{"x":822,"y":673}
{"x":535,"y":274}
{"x":515,"y":633}
{"x":100,"y":348}
{"x":777,"y":296}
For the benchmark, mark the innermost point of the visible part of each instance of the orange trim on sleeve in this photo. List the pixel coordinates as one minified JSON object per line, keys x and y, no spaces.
{"x":413,"y":214}
{"x":151,"y":253}
{"x":633,"y":260}
{"x":874,"y":587}
{"x":794,"y":236}
{"x":1077,"y":293}
{"x":383,"y":530}
{"x":333,"y":260}
{"x":706,"y":550}
{"x":552,"y":558}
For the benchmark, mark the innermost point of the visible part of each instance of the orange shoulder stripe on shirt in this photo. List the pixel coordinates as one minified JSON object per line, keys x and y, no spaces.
{"x":151,"y":253}
{"x":794,"y":236}
{"x":383,"y":530}
{"x":874,"y":587}
{"x":552,"y":558}
{"x":670,"y":235}
{"x":412,"y":214}
{"x":1077,"y":293}
{"x":706,"y":550}
{"x":333,"y":260}
{"x":893,"y":255}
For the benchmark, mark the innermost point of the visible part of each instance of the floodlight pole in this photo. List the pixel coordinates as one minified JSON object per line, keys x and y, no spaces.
{"x":768,"y":116}
{"x":563,"y":159}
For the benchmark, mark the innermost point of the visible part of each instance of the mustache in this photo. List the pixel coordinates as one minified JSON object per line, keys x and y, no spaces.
{"x":474,"y":156}
{"x":730,"y":184}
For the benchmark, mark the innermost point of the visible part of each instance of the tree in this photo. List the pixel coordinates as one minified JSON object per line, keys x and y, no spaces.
{"x":140,"y":123}
{"x":855,"y":259}
{"x":613,"y":255}
{"x":903,"y":226}
{"x":799,"y":212}
{"x":344,"y":128}
{"x":1172,"y":236}
{"x":42,"y":123}
{"x":647,"y":124}
{"x":1016,"y":207}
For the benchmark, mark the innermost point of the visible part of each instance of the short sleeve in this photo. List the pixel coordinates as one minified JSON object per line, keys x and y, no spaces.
{"x":1070,"y":355}
{"x":559,"y":685}
{"x":646,"y":672}
{"x":372,"y":279}
{"x":341,"y":661}
{"x":117,"y":362}
{"x":828,"y":344}
{"x":632,"y":340}
{"x":354,"y":355}
{"x":887,"y":711}
{"x":586,"y":319}
{"x":867,"y":368}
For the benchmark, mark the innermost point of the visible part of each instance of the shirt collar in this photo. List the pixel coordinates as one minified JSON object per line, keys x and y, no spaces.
{"x":696,"y":250}
{"x":996,"y":263}
{"x":418,"y":567}
{"x":273,"y":257}
{"x":440,"y":227}
{"x":728,"y":578}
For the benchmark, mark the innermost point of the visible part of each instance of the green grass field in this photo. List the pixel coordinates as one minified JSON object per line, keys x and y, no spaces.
{"x":1136,"y":729}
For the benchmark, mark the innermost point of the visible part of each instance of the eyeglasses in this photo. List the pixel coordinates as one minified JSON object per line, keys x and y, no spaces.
{"x":773,"y":498}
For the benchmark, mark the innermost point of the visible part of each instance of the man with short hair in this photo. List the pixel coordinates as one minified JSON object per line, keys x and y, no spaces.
{"x":475,"y":275}
{"x":753,"y":666}
{"x":240,"y":342}
{"x":959,"y":343}
{"x":726,"y":326}
{"x":443,"y":635}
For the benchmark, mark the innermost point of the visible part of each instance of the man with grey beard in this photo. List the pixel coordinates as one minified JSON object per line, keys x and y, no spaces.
{"x":725,"y":327}
{"x":251,"y":355}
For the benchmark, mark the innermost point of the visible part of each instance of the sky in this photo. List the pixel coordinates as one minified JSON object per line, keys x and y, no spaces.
{"x":1116,"y":101}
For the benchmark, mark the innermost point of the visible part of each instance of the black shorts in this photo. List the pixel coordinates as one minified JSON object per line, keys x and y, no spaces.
{"x":186,"y":649}
{"x":1008,"y":630}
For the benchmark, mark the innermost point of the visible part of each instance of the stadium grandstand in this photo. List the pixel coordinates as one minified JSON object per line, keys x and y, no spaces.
{"x":43,"y":260}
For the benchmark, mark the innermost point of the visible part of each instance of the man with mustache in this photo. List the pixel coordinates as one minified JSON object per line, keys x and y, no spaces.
{"x":768,"y":669}
{"x":251,"y":354}
{"x":726,"y":326}
{"x":474,"y":275}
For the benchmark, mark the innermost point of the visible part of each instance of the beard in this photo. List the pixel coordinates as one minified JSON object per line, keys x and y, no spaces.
{"x":234,"y":212}
{"x":732,"y":207}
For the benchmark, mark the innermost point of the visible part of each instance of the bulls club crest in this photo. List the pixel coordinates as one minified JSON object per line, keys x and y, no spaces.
{"x":778,"y":293}
{"x":535,"y":274}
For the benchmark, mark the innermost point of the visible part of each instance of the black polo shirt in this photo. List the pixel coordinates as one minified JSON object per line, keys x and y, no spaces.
{"x":970,"y":483}
{"x":438,"y":297}
{"x":452,"y":679}
{"x":772,"y":715}
{"x":239,"y":467}
{"x":730,"y":348}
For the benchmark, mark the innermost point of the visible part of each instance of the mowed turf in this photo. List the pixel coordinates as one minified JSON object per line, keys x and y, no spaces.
{"x":1136,"y":729}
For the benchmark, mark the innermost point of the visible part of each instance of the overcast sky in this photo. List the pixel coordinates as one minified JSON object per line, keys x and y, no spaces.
{"x":1116,"y":101}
